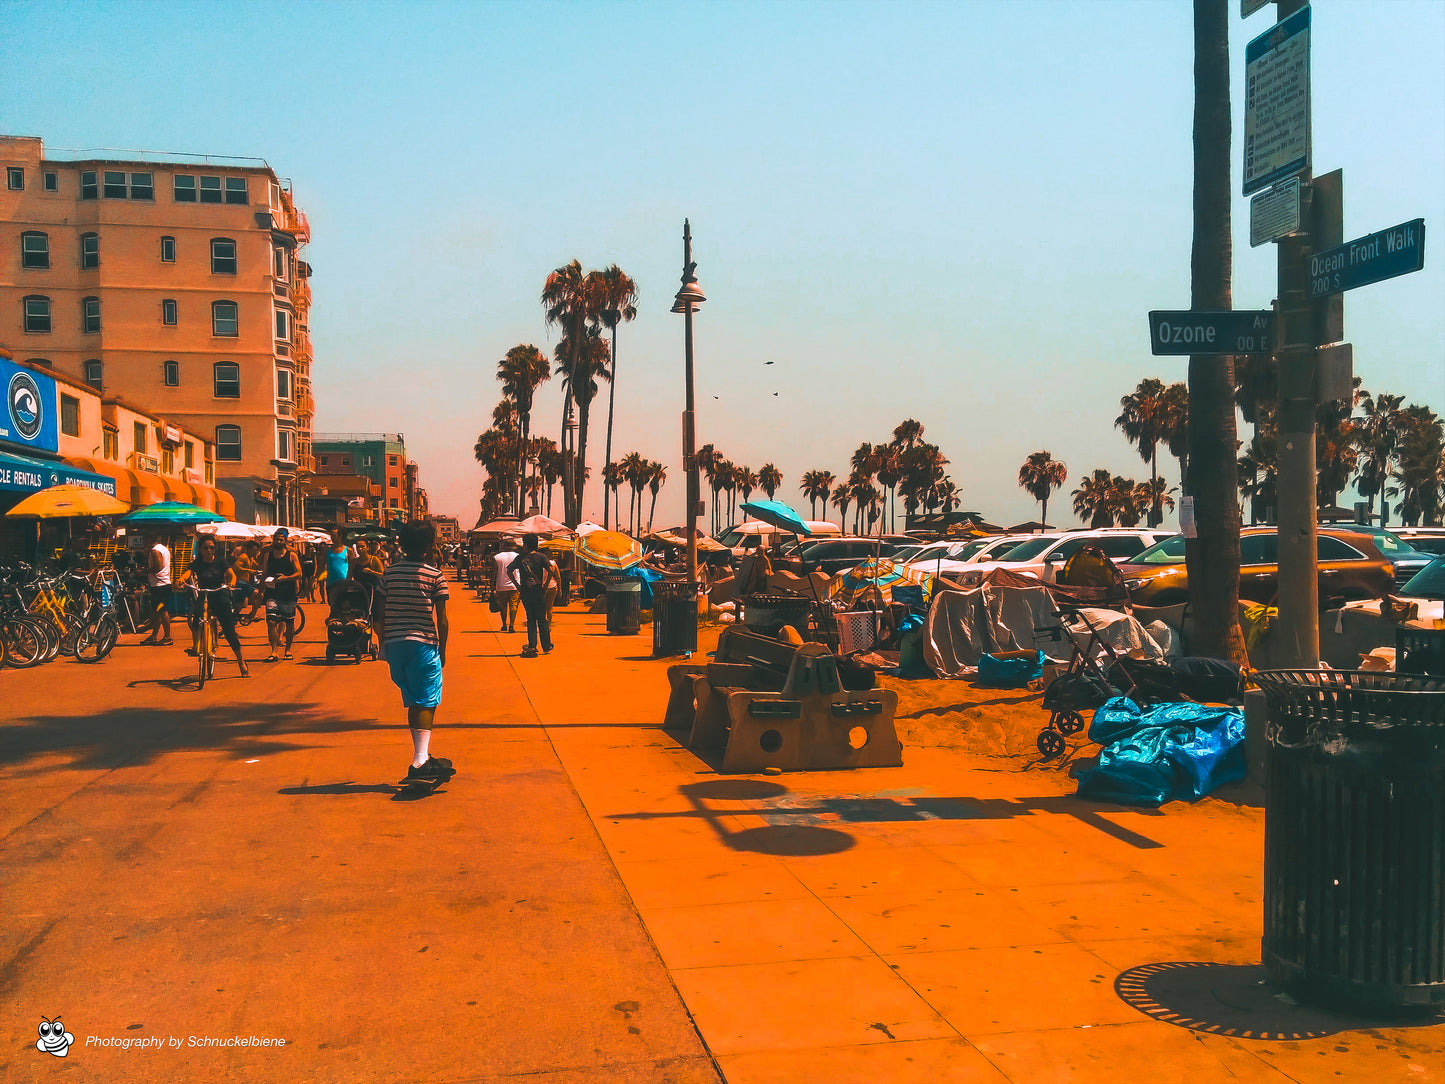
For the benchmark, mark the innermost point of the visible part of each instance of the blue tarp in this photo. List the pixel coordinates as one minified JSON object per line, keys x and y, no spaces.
{"x":646,"y":576}
{"x":1169,"y":752}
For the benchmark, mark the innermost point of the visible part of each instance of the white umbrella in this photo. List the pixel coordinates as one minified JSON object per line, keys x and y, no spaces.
{"x":538,"y":525}
{"x":586,"y":527}
{"x":231,"y":530}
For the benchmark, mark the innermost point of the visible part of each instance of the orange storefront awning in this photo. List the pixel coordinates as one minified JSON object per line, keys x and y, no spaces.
{"x":137,"y":488}
{"x":225,"y":504}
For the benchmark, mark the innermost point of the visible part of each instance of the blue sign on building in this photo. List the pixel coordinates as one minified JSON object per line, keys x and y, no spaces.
{"x":28,"y":419}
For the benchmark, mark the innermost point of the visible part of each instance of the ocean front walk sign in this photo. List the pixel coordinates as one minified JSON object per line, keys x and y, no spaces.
{"x":1277,"y":103}
{"x":1373,"y":258}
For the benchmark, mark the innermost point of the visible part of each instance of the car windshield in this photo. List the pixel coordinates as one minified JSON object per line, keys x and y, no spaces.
{"x":1168,"y":552}
{"x":1391,"y":545}
{"x":1027,"y":551}
{"x":968,"y":549}
{"x":1429,"y":582}
{"x":906,"y":554}
{"x":731,"y":539}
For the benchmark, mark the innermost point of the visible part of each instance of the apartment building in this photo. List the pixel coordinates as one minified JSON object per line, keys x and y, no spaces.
{"x":178,"y":285}
{"x":380,"y":457}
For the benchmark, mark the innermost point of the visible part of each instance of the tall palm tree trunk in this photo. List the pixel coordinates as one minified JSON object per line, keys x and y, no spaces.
{"x":611,"y":399}
{"x":1213,"y":557}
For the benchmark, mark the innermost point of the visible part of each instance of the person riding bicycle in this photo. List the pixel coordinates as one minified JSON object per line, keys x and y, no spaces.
{"x":282,"y":575}
{"x":209,"y":573}
{"x":247,"y":567}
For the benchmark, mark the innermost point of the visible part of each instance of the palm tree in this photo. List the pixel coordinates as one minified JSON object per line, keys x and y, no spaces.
{"x":1124,"y":504}
{"x":949,"y":497}
{"x":842,"y":498}
{"x":1337,"y":447}
{"x":613,"y":301}
{"x":1174,"y":424}
{"x":634,"y":473}
{"x":1155,"y":493}
{"x":656,"y":476}
{"x":1213,"y":557}
{"x":1040,"y":475}
{"x":1421,"y":472}
{"x":707,"y":458}
{"x":1378,"y":442}
{"x":818,"y":486}
{"x":583,"y":364}
{"x":723,"y":483}
{"x":564,"y":303}
{"x":747,"y":482}
{"x":521,"y":372}
{"x":612,"y":481}
{"x":549,"y":466}
{"x":1142,"y":418}
{"x":888,"y":460}
{"x":769,"y":479}
{"x":1259,"y":471}
{"x":1094,"y":499}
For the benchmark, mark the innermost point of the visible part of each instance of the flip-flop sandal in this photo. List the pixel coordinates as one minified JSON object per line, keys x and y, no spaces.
{"x":287,"y":655}
{"x":270,"y":658}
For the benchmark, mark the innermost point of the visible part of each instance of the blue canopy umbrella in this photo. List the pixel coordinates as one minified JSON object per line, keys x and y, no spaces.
{"x":778,"y":515}
{"x":171,"y":512}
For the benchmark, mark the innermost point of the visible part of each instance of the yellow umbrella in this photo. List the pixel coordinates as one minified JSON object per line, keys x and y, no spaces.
{"x":608,"y":549}
{"x":556,"y":545}
{"x":60,"y":501}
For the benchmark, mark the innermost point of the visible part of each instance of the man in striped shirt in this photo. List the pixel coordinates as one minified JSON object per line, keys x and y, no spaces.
{"x":413,"y":633}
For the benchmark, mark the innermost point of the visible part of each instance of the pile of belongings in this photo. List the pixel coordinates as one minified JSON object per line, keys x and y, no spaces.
{"x":1165,"y":753}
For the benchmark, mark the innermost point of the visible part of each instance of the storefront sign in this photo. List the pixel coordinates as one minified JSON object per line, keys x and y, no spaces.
{"x":29,"y":419}
{"x":20,"y":474}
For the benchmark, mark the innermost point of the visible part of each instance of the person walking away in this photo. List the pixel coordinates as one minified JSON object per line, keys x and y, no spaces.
{"x":367,"y":571}
{"x":308,"y":571}
{"x":283,"y":575}
{"x":208,"y":572}
{"x":532,"y":572}
{"x":413,"y":636}
{"x":158,"y":580}
{"x":338,"y":565}
{"x":506,"y":590}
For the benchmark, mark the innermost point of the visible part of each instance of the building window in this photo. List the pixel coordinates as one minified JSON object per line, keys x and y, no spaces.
{"x":394,"y":503}
{"x":89,"y":188}
{"x":37,"y":313}
{"x":110,"y":443}
{"x":168,"y":461}
{"x":185,"y":188}
{"x":168,"y":250}
{"x":90,"y":315}
{"x":225,"y":319}
{"x":391,"y":460}
{"x":227,"y":380}
{"x":172,"y":373}
{"x":391,"y":483}
{"x":346,"y":461}
{"x":210,"y":190}
{"x":323,"y":461}
{"x":223,"y":256}
{"x":283,"y":383}
{"x":34,"y":250}
{"x":283,"y":325}
{"x":283,"y":445}
{"x":114,"y":184}
{"x":190,"y":454}
{"x":228,"y":443}
{"x":69,"y":415}
{"x":52,"y":181}
{"x":15,"y":177}
{"x":38,"y":361}
{"x":280,"y":263}
{"x":94,"y":373}
{"x":142,"y":186}
{"x":236,"y":190}
{"x":168,"y":311}
{"x":138,"y":438}
{"x":89,"y":251}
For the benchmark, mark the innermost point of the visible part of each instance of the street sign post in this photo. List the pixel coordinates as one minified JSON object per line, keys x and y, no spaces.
{"x":1240,"y":332}
{"x":1373,"y":258}
{"x":1275,"y":214}
{"x":1277,"y":103}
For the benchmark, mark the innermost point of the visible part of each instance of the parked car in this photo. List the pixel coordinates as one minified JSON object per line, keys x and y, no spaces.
{"x":1350,"y":567}
{"x":1427,"y":540}
{"x":1406,"y":558}
{"x":957,"y":555}
{"x":833,"y":555}
{"x":1043,"y":555}
{"x":770,"y":538}
{"x":1429,"y":582}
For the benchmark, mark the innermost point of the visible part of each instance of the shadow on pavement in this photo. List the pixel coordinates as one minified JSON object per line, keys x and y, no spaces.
{"x":1238,"y":1000}
{"x":138,"y":735}
{"x":341,"y":788}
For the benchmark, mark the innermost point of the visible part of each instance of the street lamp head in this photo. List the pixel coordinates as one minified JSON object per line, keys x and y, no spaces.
{"x":691,"y":295}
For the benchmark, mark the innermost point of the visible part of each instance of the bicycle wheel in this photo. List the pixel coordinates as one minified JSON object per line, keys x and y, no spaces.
{"x":100,"y":639}
{"x":71,"y":631}
{"x":23,"y":643}
{"x":213,"y":641}
{"x":300,"y":621}
{"x":51,"y":633}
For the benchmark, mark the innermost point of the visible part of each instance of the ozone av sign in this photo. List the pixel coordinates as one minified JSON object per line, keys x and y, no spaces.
{"x":27,"y":411}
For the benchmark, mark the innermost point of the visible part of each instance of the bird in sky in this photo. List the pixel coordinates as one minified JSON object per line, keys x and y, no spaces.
{"x":769,"y":363}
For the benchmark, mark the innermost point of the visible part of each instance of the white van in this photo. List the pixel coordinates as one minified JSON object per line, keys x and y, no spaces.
{"x":769,"y":537}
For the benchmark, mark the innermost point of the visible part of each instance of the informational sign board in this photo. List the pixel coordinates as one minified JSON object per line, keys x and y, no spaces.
{"x":23,"y":474}
{"x":1373,"y":258}
{"x":1335,"y":373}
{"x":1246,"y":332}
{"x":1275,"y":214}
{"x":1249,"y":7}
{"x":28,"y":419}
{"x":1277,"y":103}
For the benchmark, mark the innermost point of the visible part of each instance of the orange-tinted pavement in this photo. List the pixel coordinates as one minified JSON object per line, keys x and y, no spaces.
{"x":204,"y":864}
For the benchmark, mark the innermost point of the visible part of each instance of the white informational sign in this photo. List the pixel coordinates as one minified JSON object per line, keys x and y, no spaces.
{"x":1275,"y":214}
{"x":1186,"y":518}
{"x":1277,"y":103}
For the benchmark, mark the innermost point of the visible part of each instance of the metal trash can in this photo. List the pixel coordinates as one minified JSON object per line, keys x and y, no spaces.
{"x":1354,"y":836}
{"x":624,"y":607}
{"x":674,"y":618}
{"x":769,"y":613}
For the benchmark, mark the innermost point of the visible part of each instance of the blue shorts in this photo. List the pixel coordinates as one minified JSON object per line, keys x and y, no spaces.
{"x":416,"y":668}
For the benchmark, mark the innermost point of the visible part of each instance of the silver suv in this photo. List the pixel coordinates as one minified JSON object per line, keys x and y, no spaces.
{"x":1043,"y":555}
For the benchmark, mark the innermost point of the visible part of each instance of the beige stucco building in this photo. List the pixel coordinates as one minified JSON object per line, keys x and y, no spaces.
{"x":176,"y":285}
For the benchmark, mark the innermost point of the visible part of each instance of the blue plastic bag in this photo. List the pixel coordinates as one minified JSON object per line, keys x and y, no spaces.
{"x":1170,"y":752}
{"x":1010,"y":673}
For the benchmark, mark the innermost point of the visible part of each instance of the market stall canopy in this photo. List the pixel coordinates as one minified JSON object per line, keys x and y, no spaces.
{"x":881,"y":574}
{"x":173,"y":513}
{"x":777,"y":514}
{"x":539,"y":525}
{"x":495,"y":528}
{"x":556,"y":545}
{"x":675,"y":538}
{"x":230,"y":530}
{"x":62,"y":501}
{"x":586,"y":527}
{"x":608,"y":549}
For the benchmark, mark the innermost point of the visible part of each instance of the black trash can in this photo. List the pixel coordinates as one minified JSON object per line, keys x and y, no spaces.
{"x":1354,"y":836}
{"x":769,"y":613}
{"x":674,"y":618}
{"x":624,"y":607}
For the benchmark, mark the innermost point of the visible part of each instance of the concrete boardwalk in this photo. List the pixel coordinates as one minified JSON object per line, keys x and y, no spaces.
{"x":234,"y":862}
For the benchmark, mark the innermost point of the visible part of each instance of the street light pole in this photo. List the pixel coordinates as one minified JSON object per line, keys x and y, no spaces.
{"x":687,"y":299}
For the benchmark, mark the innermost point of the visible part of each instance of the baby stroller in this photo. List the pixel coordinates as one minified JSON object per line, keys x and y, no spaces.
{"x":1083,"y":686}
{"x":348,"y":631}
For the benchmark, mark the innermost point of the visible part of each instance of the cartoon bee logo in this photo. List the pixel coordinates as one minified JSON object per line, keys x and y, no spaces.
{"x":54,"y":1039}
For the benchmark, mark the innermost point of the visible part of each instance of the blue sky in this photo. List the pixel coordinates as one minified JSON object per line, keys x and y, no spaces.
{"x":957,"y":212}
